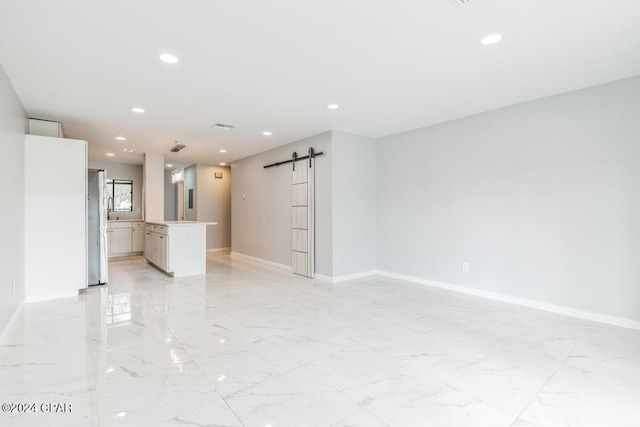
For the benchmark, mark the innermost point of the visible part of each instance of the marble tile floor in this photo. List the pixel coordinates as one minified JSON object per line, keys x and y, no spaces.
{"x":249,"y":345}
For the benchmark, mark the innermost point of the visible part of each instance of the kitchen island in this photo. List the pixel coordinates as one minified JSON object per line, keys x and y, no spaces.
{"x":178,"y":248}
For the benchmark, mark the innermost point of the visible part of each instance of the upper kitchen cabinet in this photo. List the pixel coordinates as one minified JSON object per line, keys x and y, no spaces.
{"x":55,"y":217}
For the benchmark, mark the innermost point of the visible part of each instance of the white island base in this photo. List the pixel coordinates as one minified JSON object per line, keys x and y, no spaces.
{"x":178,"y":248}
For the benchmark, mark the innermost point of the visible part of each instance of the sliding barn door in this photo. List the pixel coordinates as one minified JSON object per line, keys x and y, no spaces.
{"x":302,"y":198}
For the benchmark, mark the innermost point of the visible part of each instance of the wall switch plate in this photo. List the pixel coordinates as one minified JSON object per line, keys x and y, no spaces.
{"x":465,"y":267}
{"x":13,"y":287}
{"x":244,"y":196}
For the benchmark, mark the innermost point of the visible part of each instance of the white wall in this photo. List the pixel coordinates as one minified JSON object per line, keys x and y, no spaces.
{"x":214,"y":204}
{"x":124,"y":171}
{"x":13,"y":126}
{"x":354,"y":204}
{"x":261,"y":225}
{"x":55,"y":220}
{"x":542,"y":199}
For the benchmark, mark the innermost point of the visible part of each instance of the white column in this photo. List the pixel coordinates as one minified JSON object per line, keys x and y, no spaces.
{"x":153,"y":170}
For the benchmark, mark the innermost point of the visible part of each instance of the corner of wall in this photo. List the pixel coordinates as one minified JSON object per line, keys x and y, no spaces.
{"x":13,"y":127}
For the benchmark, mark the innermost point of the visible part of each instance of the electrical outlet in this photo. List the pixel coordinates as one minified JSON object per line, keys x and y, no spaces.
{"x":13,"y":287}
{"x":465,"y":267}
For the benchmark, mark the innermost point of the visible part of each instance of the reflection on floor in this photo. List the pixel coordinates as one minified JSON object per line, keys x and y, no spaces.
{"x":249,"y":345}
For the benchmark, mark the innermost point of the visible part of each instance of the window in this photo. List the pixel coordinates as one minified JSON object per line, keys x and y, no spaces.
{"x":120,"y":194}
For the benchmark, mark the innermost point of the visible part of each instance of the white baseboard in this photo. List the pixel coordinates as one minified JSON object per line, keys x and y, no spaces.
{"x":553,"y":308}
{"x":38,"y":298}
{"x":261,"y":261}
{"x":338,"y":279}
{"x":13,"y":318}
{"x":559,"y":309}
{"x":219,"y":250}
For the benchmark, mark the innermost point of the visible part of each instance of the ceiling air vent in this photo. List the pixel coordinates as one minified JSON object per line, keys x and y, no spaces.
{"x":179,"y":146}
{"x":459,"y":2}
{"x":223,"y":126}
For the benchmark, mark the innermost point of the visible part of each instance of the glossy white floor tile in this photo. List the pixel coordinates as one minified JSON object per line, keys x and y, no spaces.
{"x":248,"y":345}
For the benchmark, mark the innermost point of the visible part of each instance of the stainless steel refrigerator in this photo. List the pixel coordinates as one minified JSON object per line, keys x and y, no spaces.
{"x":97,"y":254}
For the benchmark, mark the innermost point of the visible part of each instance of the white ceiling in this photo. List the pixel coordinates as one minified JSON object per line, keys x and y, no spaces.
{"x":274,"y":64}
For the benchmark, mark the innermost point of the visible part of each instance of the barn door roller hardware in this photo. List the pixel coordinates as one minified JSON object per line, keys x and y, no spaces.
{"x":294,"y":158}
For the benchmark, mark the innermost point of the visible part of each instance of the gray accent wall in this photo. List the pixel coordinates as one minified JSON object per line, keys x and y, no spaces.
{"x":214,"y":204}
{"x":345,"y":204}
{"x":211,"y":201}
{"x":261,"y":225}
{"x":542,"y":200}
{"x":170,"y":195}
{"x":191,"y":183}
{"x":354,"y":204}
{"x":13,"y":126}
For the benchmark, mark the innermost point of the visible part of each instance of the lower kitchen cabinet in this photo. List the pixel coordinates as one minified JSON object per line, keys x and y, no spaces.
{"x":163,"y":253}
{"x":149,"y":245}
{"x":157,"y":246}
{"x":119,"y":241}
{"x":125,"y":238}
{"x":137,"y":237}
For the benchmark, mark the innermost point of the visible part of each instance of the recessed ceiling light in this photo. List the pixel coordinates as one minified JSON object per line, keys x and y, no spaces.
{"x":121,"y":138}
{"x":128,"y":150}
{"x":169,"y":165}
{"x":223,"y":164}
{"x":267,"y":133}
{"x":137,"y":109}
{"x":491,"y":39}
{"x":110,"y":154}
{"x":223,"y":151}
{"x":168,"y":58}
{"x":332,"y":106}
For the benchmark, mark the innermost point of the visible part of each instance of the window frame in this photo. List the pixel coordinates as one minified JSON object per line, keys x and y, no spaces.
{"x":111,"y":185}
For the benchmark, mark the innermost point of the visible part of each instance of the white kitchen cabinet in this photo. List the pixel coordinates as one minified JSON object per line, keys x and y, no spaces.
{"x":155,"y":242}
{"x":45,"y":128}
{"x":157,"y":251}
{"x":163,"y":253}
{"x":119,"y":241}
{"x":148,"y":244}
{"x":125,"y":238}
{"x":137,"y":236}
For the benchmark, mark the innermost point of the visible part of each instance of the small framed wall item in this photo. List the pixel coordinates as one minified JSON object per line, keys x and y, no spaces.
{"x":218,"y":175}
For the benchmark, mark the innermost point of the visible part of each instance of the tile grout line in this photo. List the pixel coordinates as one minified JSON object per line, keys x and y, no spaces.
{"x":533,"y":397}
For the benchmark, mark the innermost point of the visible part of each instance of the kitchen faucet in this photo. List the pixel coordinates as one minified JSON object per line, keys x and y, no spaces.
{"x":109,"y":202}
